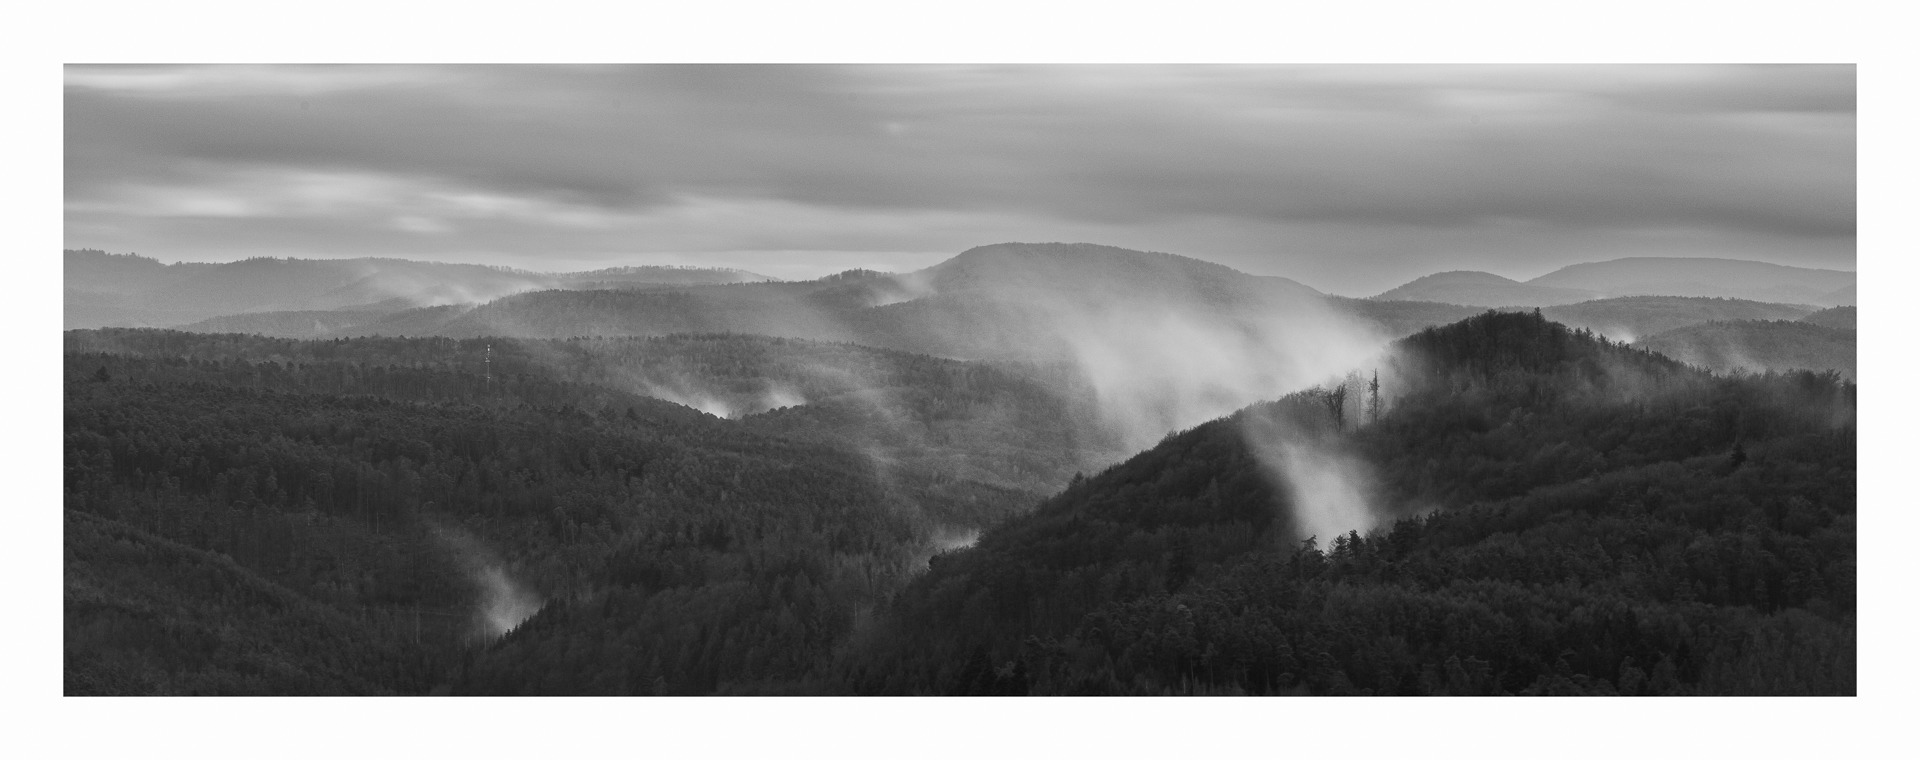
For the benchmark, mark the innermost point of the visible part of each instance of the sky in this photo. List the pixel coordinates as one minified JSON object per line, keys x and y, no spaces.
{"x":1350,"y":179}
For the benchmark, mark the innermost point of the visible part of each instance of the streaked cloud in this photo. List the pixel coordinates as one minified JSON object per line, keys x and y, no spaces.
{"x":1350,"y":178}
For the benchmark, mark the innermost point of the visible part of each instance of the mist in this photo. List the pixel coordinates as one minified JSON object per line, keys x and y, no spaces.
{"x":1167,"y":343}
{"x":1328,"y":490}
{"x":501,"y":603}
{"x":726,"y":405}
{"x":1154,"y":374}
{"x":943,"y":540}
{"x":504,"y":605}
{"x":1160,"y":343}
{"x":1155,"y":343}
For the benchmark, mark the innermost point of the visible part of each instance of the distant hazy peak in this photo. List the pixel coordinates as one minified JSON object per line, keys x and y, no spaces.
{"x":853,"y":275}
{"x":1701,"y":260}
{"x":1473,"y":288}
{"x":1463,"y":277}
{"x":1081,"y":253}
{"x":1629,"y":268}
{"x":740,"y":275}
{"x":1016,"y":268}
{"x":83,"y":256}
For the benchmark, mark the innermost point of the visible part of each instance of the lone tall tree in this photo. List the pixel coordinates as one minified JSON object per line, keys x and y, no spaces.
{"x":1373,"y":398}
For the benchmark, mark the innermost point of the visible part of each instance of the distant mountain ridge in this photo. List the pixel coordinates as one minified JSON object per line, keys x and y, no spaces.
{"x":129,"y":290}
{"x":1725,"y":278}
{"x":994,"y":288}
{"x":1638,"y":276}
{"x":1468,"y":288}
{"x":1020,"y":301}
{"x":1024,"y":266}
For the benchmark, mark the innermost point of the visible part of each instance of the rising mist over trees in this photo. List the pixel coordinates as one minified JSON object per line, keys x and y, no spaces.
{"x":1550,"y":512}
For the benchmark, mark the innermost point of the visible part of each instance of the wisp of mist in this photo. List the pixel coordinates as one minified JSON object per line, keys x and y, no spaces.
{"x":503,"y":604}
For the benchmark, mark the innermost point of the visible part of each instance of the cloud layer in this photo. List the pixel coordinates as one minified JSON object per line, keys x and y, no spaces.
{"x":1350,"y":178}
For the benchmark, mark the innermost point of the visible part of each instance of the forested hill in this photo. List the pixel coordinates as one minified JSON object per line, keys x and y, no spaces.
{"x":250,"y":515}
{"x":1556,"y":514}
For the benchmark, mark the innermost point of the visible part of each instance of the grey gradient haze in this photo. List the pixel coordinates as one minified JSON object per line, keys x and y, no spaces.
{"x":1352,"y":179}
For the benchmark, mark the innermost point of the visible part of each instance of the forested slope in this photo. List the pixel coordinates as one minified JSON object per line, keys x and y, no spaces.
{"x":392,"y":495}
{"x":1560,"y":515}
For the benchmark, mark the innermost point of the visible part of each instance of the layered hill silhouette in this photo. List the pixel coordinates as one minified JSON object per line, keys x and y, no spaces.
{"x":1129,"y":321}
{"x":991,"y":301}
{"x":126,"y":290}
{"x":1482,"y":289}
{"x":999,"y":301}
{"x":1638,"y":276}
{"x":985,"y":301}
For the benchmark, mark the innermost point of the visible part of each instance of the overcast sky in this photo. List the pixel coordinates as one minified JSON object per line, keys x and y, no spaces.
{"x":1351,"y":179}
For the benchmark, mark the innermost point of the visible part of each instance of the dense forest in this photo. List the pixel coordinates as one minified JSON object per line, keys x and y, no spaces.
{"x":1613,"y":523}
{"x":394,"y":484}
{"x":1546,"y":512}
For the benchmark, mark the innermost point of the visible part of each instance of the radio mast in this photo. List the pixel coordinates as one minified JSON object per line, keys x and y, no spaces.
{"x":489,"y":363}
